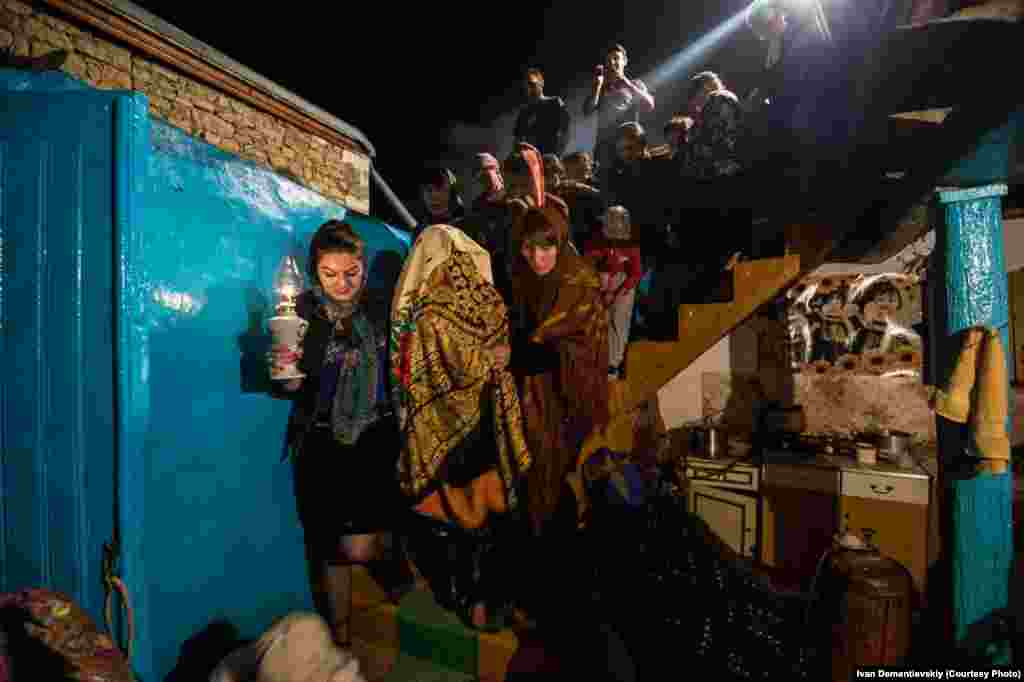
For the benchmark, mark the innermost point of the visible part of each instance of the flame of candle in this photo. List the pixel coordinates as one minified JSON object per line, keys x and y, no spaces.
{"x":288,"y":281}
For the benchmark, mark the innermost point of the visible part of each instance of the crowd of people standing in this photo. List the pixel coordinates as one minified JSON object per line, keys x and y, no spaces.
{"x":453,"y":419}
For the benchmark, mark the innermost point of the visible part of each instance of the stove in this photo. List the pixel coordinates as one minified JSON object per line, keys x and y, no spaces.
{"x":790,"y":447}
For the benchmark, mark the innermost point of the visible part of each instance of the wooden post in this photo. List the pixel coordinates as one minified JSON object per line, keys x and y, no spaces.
{"x":978,"y":499}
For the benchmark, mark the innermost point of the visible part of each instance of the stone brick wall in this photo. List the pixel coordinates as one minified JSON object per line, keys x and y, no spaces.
{"x":341,"y":174}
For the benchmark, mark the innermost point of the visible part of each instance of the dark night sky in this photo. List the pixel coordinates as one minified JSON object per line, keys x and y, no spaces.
{"x":425,"y":82}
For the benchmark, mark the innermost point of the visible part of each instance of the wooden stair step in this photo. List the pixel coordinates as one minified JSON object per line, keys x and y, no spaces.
{"x":652,"y":364}
{"x":407,"y":668}
{"x":375,"y":660}
{"x":419,"y":628}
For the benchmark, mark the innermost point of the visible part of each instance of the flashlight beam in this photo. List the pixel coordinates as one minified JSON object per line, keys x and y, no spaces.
{"x":693,"y":54}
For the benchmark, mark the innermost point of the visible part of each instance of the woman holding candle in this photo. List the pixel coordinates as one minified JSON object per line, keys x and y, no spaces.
{"x":342,"y":432}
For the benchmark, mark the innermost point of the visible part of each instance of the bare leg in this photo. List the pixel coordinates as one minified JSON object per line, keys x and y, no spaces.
{"x":338,"y":585}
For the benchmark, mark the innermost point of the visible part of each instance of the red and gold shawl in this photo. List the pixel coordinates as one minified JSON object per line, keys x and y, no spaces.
{"x":447,"y":316}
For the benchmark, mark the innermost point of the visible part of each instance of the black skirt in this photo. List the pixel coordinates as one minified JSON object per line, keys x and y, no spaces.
{"x":349,"y":490}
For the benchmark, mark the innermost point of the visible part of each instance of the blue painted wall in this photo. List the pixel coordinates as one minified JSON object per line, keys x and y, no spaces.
{"x":57,"y":416}
{"x":135,"y":282}
{"x":221,"y":534}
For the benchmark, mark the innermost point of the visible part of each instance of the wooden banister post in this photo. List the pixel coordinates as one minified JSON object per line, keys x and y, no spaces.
{"x":976,"y":503}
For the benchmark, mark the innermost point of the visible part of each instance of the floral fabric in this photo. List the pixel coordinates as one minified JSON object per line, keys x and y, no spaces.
{"x":714,"y":149}
{"x":57,"y":623}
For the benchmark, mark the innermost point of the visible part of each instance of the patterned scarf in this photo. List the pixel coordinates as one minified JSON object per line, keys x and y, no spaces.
{"x":446,"y":313}
{"x":351,"y":364}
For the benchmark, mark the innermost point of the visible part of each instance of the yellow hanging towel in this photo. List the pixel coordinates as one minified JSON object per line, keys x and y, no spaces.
{"x":954,"y":401}
{"x":991,"y":404}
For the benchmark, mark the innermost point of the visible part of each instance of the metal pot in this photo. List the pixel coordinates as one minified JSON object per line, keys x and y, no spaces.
{"x":895,"y":443}
{"x":710,"y":442}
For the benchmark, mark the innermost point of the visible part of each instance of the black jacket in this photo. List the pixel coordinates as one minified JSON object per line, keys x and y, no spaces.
{"x":306,"y":399}
{"x":544,"y":124}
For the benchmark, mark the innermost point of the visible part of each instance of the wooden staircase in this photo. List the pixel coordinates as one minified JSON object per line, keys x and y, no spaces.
{"x":652,"y":364}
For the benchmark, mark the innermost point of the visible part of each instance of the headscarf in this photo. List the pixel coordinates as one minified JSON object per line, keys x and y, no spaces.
{"x":353,"y":353}
{"x":538,"y":293}
{"x":535,"y":163}
{"x":564,"y":306}
{"x":446,"y":317}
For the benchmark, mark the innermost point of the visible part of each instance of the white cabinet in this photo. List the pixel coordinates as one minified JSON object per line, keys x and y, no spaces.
{"x":731,"y":515}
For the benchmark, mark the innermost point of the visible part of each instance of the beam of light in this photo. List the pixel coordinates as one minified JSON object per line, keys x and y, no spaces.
{"x":466,"y":139}
{"x":681,"y":63}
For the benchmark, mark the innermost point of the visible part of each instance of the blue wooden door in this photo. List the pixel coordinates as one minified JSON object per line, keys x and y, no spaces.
{"x":57,"y":216}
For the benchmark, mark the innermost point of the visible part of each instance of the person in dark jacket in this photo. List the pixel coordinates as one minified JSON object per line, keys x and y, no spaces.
{"x":801,"y":109}
{"x":544,"y":121}
{"x":615,"y":99}
{"x":486,"y":222}
{"x":342,"y":433}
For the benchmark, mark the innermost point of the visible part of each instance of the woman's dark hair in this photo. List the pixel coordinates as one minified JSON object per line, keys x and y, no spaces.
{"x":435,"y":176}
{"x":438,"y":176}
{"x":538,"y":230}
{"x":334,"y":236}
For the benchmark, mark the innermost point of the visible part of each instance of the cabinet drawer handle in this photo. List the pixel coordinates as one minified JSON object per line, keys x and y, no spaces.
{"x":881,"y":489}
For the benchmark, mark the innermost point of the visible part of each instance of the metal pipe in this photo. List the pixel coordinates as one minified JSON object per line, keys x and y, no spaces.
{"x":395,"y":202}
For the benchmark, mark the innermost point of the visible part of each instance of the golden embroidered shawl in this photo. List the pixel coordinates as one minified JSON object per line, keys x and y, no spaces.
{"x":446,"y":317}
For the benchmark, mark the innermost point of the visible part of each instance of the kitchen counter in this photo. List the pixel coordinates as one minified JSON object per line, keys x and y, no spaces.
{"x":809,"y":499}
{"x":844,"y":462}
{"x":850,"y":464}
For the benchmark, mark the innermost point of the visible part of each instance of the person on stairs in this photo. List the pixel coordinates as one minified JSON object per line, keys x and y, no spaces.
{"x":342,"y":432}
{"x":463,"y":449}
{"x":618,"y":262}
{"x":559,"y":344}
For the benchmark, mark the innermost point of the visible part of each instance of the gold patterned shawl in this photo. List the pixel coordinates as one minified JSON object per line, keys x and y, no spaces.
{"x":446,"y":317}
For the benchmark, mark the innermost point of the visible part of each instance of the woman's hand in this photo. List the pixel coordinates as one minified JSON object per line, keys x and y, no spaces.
{"x":502,"y":353}
{"x":281,"y":356}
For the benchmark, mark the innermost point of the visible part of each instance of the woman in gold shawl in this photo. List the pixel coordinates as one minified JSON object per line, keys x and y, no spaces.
{"x":463,"y":447}
{"x":559,"y":346}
